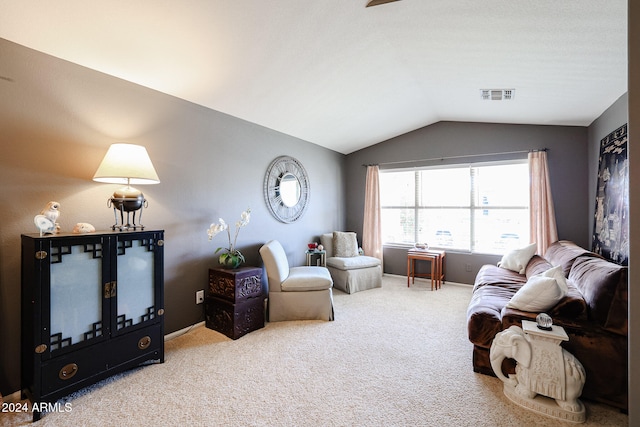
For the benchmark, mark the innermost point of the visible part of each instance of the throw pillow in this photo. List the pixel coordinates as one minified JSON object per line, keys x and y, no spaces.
{"x":558,"y":274}
{"x":345,"y":244}
{"x":518,"y":259}
{"x":539,"y":294}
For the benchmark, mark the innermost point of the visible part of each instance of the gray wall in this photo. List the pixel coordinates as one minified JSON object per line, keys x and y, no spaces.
{"x":567,"y":158}
{"x":57,"y":120}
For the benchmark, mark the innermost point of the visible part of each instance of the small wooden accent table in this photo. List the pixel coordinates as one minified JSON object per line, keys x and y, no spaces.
{"x":234,"y":303}
{"x":437,"y":266}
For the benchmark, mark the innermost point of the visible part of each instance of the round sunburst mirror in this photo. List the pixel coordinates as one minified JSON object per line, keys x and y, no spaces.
{"x":286,"y":189}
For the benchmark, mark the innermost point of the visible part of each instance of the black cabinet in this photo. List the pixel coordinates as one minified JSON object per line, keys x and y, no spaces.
{"x":92,"y":306}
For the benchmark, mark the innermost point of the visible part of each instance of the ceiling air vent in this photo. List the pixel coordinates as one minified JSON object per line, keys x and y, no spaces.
{"x":497,"y":94}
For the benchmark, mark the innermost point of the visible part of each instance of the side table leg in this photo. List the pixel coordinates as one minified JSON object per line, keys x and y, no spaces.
{"x":442,"y":266}
{"x":408,"y":272}
{"x":413,"y":271}
{"x":433,"y":272}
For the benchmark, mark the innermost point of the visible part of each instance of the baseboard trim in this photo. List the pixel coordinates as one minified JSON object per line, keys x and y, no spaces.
{"x":182,"y":331}
{"x":448,"y":282}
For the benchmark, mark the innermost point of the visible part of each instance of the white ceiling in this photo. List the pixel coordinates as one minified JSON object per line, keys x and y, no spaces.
{"x":343,"y":76}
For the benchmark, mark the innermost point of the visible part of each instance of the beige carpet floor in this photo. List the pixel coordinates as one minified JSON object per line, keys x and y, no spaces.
{"x":394,"y":356}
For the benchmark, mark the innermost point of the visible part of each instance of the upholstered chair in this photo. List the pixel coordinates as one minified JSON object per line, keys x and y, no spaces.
{"x":351,"y":272}
{"x":295,"y":293}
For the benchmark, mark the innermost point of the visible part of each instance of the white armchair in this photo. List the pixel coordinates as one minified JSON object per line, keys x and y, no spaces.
{"x":296,"y":293}
{"x":350,"y":271}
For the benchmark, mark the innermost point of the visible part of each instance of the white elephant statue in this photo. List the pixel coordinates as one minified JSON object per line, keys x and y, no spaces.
{"x":542,"y":368}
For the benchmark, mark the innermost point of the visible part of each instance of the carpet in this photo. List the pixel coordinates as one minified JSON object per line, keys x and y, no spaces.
{"x":394,"y":356}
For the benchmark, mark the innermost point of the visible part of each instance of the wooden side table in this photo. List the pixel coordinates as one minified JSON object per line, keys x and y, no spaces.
{"x":435,"y":257}
{"x":234,"y":304}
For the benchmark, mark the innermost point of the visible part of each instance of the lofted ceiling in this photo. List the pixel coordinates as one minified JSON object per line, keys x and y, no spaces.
{"x":339,"y":74}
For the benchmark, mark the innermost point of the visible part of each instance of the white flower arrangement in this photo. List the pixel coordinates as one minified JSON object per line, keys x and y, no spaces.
{"x":231,"y":257}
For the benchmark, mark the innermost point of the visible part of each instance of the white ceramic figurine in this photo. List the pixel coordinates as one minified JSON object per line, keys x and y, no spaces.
{"x":46,"y":221}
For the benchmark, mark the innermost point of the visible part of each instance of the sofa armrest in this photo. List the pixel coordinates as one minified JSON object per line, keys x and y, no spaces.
{"x":483,"y":314}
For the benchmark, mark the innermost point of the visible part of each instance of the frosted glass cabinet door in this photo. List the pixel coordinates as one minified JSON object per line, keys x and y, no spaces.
{"x":75,"y":294}
{"x":135,"y":282}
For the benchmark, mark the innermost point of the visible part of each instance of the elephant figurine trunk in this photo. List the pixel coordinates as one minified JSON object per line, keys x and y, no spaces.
{"x":545,"y":372}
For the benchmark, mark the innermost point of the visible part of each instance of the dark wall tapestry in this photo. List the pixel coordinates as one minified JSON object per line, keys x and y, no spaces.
{"x":611,"y":222}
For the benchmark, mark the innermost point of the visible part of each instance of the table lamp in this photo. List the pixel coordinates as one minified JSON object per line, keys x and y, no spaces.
{"x":127,"y":164}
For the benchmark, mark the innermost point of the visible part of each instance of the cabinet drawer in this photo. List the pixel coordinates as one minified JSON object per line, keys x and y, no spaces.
{"x":137,"y":346}
{"x":70,"y":369}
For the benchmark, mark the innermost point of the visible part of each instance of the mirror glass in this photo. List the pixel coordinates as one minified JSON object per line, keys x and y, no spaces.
{"x":289,"y":189}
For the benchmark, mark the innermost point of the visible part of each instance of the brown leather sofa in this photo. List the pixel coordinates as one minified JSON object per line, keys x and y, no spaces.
{"x":593,"y":313}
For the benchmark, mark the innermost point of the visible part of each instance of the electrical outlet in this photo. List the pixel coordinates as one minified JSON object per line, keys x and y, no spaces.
{"x":467,"y":267}
{"x":199,"y":297}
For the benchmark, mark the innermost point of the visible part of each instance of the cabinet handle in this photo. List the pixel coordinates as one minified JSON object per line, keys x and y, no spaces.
{"x":41,"y":254}
{"x":109,"y":290}
{"x":144,"y":342}
{"x":68,"y":371}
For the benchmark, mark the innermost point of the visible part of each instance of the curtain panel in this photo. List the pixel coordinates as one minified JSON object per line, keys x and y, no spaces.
{"x":542,"y":214}
{"x":372,"y":225}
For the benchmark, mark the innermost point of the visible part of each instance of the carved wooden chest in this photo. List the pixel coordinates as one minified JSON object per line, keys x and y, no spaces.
{"x":235,"y":285}
{"x":234,"y":304}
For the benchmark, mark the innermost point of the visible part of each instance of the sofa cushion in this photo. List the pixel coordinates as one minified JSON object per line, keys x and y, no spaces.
{"x":352,"y":263}
{"x":604,"y":287}
{"x":518,"y":259}
{"x":563,"y":253}
{"x":537,"y":265}
{"x":494,"y":275}
{"x":345,"y":244}
{"x":539,"y":294}
{"x":571,"y":306}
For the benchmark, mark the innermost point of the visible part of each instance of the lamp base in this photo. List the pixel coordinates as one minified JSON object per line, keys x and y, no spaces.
{"x":129,"y":203}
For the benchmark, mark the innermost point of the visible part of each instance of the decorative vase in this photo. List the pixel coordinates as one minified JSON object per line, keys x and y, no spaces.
{"x":231,"y":260}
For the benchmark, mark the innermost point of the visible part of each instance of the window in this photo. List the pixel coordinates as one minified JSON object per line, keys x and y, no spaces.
{"x":474,"y":208}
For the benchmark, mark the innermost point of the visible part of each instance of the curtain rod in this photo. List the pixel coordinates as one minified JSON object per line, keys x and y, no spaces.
{"x":457,"y":157}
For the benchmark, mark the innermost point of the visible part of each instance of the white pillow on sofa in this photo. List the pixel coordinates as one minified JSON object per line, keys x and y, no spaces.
{"x":558,"y":274}
{"x":539,"y":294}
{"x":518,"y":259}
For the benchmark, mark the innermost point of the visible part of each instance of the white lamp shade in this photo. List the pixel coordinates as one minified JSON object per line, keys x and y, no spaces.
{"x":126,"y":164}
